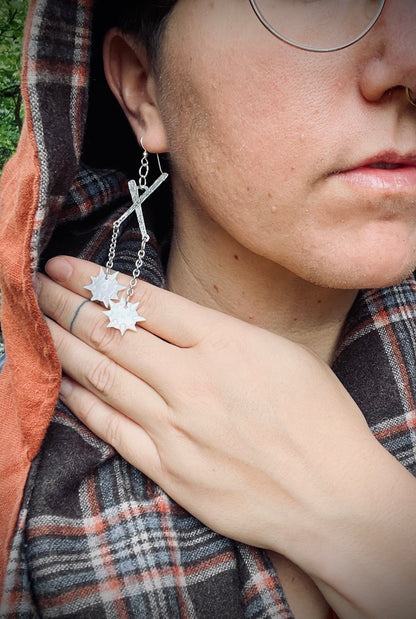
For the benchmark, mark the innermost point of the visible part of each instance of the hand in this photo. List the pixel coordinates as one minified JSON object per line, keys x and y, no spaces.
{"x":205,"y":405}
{"x":249,"y":432}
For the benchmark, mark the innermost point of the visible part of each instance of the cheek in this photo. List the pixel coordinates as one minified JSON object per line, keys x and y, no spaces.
{"x":250,"y":146}
{"x":238,"y":129}
{"x":248,"y":123}
{"x":235,"y":161}
{"x":237,"y":147}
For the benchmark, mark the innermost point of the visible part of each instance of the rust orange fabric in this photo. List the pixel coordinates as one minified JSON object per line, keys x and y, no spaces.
{"x":29,"y":382}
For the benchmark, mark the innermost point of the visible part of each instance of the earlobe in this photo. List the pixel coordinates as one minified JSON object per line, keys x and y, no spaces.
{"x":128,"y":74}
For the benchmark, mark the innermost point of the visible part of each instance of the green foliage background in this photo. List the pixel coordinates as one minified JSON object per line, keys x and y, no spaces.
{"x":12,"y":18}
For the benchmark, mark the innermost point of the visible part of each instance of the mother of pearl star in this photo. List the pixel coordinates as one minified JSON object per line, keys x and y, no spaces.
{"x":105,"y":288}
{"x":123,"y":316}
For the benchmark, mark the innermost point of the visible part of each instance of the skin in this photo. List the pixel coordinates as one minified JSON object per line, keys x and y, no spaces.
{"x":287,"y":245}
{"x":227,"y":445}
{"x":289,"y":103}
{"x":346,"y":236}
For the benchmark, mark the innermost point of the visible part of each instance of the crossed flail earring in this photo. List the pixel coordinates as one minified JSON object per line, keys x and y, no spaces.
{"x":122,"y":314}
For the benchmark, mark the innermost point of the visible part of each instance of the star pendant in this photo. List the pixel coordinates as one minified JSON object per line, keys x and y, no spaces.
{"x":104,"y":288}
{"x":123,"y":316}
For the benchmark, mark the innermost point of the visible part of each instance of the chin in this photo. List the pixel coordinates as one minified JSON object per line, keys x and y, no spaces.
{"x":356,"y":277}
{"x":384,"y":257}
{"x":368,"y":269}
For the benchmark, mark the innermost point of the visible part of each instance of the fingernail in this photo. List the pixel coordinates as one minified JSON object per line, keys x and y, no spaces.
{"x":37,"y":283}
{"x":66,"y":387}
{"x":59,"y":269}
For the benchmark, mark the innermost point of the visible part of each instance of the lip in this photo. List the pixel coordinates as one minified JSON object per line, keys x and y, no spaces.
{"x":388,"y":156}
{"x":400,"y":178}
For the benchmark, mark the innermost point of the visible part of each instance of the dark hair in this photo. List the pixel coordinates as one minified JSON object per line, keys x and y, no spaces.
{"x":112,"y":144}
{"x":109,"y":141}
{"x":145,"y":20}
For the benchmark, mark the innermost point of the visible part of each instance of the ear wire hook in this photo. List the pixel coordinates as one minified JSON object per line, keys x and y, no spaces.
{"x":158,"y":161}
{"x":157,"y":156}
{"x":410,"y":96}
{"x":105,"y":288}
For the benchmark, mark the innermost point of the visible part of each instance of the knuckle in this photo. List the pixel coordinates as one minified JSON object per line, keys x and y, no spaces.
{"x":145,"y":296}
{"x":101,"y":377}
{"x":59,"y":336}
{"x":61,"y":308}
{"x":88,"y":410}
{"x":113,"y":431}
{"x":101,"y":338}
{"x":197,"y":389}
{"x":109,"y":431}
{"x":222,"y":342}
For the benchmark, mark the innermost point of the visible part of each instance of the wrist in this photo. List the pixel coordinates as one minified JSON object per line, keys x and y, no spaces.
{"x":365,"y":546}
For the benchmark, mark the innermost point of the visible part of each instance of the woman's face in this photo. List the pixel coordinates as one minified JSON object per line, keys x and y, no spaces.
{"x":286,"y":150}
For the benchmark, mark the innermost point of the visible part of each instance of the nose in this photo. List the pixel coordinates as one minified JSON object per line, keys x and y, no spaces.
{"x":390,"y":48}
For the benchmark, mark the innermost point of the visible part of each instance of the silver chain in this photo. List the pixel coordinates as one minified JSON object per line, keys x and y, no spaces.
{"x":143,"y":171}
{"x":112,"y":250}
{"x":138,"y":265}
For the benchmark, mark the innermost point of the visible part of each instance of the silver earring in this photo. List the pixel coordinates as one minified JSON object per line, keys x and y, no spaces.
{"x":122,"y":314}
{"x":410,"y":96}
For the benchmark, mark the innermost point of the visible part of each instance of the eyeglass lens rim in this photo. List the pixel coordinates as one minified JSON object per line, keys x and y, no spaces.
{"x":308,"y":48}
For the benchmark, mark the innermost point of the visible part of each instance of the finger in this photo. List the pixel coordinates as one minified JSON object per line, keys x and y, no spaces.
{"x":171,"y":317}
{"x":127,"y":437}
{"x":141,"y":352}
{"x":108,"y":381}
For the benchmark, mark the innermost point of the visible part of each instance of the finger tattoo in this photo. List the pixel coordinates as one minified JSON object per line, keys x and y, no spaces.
{"x":71,"y":326}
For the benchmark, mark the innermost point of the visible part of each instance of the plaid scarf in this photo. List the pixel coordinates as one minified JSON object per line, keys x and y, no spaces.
{"x":95,"y":537}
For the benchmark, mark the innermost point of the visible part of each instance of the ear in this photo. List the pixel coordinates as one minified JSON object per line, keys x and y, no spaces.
{"x":128,"y":74}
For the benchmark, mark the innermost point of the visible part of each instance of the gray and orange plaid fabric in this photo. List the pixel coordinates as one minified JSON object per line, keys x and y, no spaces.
{"x":95,"y":537}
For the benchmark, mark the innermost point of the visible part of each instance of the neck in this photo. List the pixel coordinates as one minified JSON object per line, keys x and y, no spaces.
{"x":209,"y":267}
